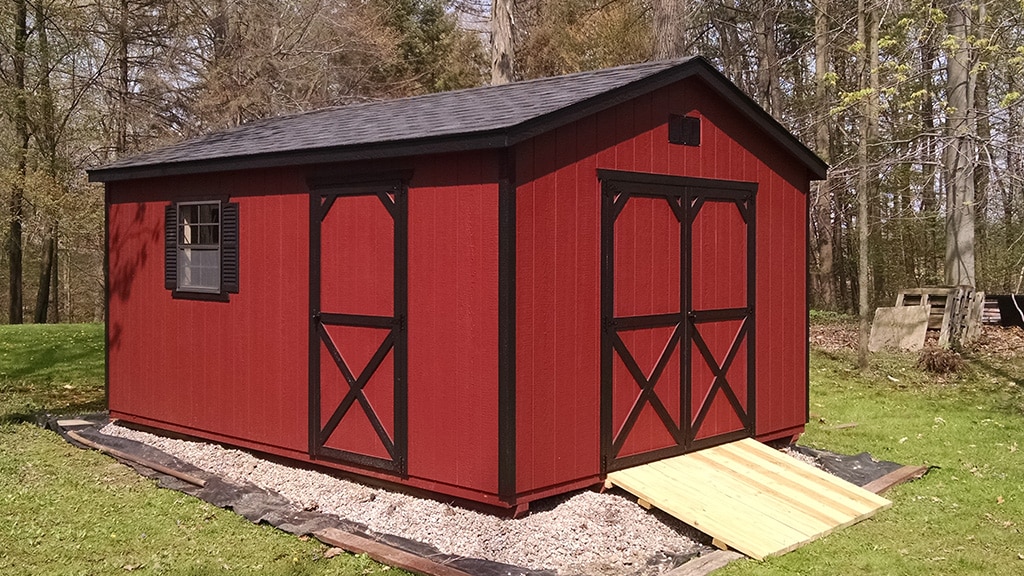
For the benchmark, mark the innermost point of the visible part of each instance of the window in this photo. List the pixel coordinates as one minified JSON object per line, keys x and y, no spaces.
{"x":201,"y":248}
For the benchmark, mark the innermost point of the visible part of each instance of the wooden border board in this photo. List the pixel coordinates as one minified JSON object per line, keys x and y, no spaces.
{"x":754,"y":499}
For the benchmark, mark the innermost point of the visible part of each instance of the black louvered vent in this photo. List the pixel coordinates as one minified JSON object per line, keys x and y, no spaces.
{"x":684,"y":130}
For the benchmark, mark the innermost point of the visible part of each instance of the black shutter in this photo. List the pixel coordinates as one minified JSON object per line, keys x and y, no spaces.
{"x":171,"y":246}
{"x":229,"y":247}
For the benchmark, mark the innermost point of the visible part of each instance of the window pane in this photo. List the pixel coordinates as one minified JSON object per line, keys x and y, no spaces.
{"x":199,"y":246}
{"x":209,"y":213}
{"x":209,"y":234}
{"x":199,"y":269}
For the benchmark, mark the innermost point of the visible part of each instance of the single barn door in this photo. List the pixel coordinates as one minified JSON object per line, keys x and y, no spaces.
{"x":676,"y":278}
{"x":719,"y":335}
{"x":358,"y":256}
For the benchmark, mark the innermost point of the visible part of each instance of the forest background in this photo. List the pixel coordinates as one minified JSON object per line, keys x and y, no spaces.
{"x":916,"y":105}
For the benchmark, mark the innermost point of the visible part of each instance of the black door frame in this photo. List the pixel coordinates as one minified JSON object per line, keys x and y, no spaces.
{"x":392,"y":194}
{"x":685,"y":196}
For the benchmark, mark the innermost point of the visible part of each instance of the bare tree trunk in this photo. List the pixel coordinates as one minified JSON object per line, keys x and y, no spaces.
{"x":768,"y":73}
{"x":46,"y":139}
{"x":46,"y":269}
{"x":983,"y":130}
{"x":670,"y":33}
{"x":821,"y":210}
{"x":17,"y":199}
{"x":960,"y":157}
{"x":867,"y":32}
{"x":878,"y":271}
{"x":55,"y":276}
{"x":930,"y":195}
{"x":502,"y":47}
{"x":121,"y":121}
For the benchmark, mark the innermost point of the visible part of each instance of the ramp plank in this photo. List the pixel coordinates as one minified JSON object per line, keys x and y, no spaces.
{"x":752,"y":498}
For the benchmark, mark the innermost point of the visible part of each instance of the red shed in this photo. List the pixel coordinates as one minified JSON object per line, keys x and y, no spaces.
{"x":495,"y":294}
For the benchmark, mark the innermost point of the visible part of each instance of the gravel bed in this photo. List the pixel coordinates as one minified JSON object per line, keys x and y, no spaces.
{"x":583,"y":533}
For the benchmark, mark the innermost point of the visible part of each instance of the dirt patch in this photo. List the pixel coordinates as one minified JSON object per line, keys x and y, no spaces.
{"x":998,"y":341}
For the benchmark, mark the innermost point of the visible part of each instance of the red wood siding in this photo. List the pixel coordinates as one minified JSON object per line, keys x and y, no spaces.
{"x":236,"y":369}
{"x":558,"y":268}
{"x":453,"y":321}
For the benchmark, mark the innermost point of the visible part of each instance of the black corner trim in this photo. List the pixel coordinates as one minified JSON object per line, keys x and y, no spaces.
{"x":507,"y":327}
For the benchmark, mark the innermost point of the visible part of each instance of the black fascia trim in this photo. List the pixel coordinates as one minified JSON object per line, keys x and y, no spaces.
{"x":507,"y":326}
{"x":383,"y":150}
{"x":763,"y":120}
{"x":603,"y":101}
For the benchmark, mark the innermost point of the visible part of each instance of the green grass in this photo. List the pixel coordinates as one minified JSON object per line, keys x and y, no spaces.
{"x":70,"y":511}
{"x":964,"y":517}
{"x":50,"y":368}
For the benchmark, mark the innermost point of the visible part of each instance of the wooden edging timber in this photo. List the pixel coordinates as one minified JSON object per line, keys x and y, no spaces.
{"x":131,"y":458}
{"x":385,"y":554}
{"x":898,"y":476}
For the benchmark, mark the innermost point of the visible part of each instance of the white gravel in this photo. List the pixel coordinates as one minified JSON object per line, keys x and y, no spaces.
{"x":587,"y":533}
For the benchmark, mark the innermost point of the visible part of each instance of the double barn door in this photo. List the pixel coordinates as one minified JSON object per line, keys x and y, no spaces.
{"x":677,"y":354}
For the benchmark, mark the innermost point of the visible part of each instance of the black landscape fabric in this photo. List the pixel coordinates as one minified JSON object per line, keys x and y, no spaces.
{"x":859,"y":469}
{"x":259,"y":505}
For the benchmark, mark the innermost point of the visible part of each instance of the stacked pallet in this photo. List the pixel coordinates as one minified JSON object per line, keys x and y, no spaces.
{"x":956,"y":312}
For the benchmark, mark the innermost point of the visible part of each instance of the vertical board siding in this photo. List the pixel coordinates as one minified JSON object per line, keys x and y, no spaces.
{"x":558,"y":314}
{"x":237,"y":369}
{"x":453,"y":321}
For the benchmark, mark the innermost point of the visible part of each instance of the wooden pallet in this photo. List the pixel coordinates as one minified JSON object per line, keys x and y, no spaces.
{"x":956,"y":312}
{"x":750,"y":497}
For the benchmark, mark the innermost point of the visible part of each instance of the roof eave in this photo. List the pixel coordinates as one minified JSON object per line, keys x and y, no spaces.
{"x":435,"y":145}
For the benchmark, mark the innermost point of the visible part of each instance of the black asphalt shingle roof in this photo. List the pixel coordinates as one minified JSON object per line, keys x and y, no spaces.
{"x":477,"y":118}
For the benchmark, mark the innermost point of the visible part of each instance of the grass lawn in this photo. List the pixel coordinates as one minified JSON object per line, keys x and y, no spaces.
{"x":69,"y":511}
{"x":964,"y":517}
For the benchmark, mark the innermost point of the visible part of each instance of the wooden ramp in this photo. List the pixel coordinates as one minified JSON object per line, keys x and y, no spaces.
{"x":750,"y":497}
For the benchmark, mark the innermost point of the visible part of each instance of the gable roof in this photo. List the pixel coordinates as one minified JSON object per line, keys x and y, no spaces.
{"x":476,"y":118}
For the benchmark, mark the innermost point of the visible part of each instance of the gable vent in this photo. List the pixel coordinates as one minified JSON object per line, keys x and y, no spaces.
{"x":684,"y":130}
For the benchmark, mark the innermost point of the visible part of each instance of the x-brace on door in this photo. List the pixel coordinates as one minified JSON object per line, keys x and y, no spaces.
{"x":358,"y":299}
{"x":677,"y":298}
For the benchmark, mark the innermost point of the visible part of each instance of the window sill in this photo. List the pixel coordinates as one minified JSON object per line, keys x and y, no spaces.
{"x":203,"y":296}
